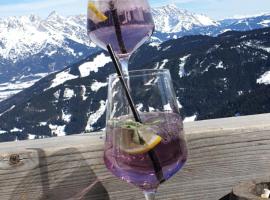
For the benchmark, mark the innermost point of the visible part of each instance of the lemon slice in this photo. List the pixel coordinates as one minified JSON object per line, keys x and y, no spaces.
{"x":138,"y":141}
{"x":99,"y":15}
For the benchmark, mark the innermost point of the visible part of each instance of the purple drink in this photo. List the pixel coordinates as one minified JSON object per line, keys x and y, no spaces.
{"x":138,"y":168}
{"x":125,"y":27}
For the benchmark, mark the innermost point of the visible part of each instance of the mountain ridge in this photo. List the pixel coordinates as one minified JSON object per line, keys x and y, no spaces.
{"x":32,"y":47}
{"x":210,"y":75}
{"x":171,"y":19}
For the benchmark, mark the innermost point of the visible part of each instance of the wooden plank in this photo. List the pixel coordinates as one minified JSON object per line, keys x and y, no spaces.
{"x":222,"y":153}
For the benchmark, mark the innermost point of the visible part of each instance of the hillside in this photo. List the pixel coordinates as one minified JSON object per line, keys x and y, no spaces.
{"x":213,"y":77}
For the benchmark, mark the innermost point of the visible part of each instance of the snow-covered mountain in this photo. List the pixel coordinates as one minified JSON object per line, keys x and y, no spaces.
{"x":29,"y":35}
{"x":171,"y":19}
{"x":247,"y":23}
{"x":213,"y":77}
{"x":25,"y":36}
{"x":32,"y":47}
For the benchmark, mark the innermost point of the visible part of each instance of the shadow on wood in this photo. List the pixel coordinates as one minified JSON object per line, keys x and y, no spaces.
{"x":248,"y":190}
{"x":228,"y":197}
{"x":222,"y":153}
{"x":59,"y":177}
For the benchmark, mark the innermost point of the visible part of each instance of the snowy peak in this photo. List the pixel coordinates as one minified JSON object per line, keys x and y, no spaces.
{"x":169,"y":8}
{"x":250,"y":16}
{"x":171,"y":19}
{"x":54,"y":16}
{"x":248,"y":23}
{"x":205,"y":21}
{"x":28,"y":35}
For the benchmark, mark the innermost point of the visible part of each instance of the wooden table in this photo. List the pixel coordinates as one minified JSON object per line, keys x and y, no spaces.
{"x":222,"y":152}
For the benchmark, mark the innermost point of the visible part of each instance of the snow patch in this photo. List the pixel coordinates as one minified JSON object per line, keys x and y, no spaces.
{"x":139,"y":107}
{"x":15,"y":130}
{"x":68,"y":93}
{"x":164,"y":62}
{"x":225,"y":30}
{"x":267,"y":49}
{"x":66,"y":117}
{"x":83,"y":93}
{"x":220,"y":65}
{"x":151,"y":109}
{"x":179,"y":104}
{"x":190,"y":119}
{"x":31,"y":137}
{"x":2,"y":132}
{"x":58,"y":130}
{"x":42,"y":123}
{"x":264,"y":79}
{"x":12,"y":107}
{"x":97,"y":85}
{"x":166,"y":48}
{"x":11,"y":88}
{"x":257,"y":45}
{"x":213,"y":49}
{"x":94,"y":117}
{"x":51,"y":53}
{"x":88,"y":67}
{"x":265,"y":23}
{"x":182,"y":64}
{"x":154,"y":44}
{"x":240,"y":92}
{"x":61,"y":78}
{"x":57,"y":94}
{"x":167,"y":107}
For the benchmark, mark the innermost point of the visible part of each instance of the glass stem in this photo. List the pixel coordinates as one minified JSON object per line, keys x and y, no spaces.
{"x":124,"y":65}
{"x":150,"y":195}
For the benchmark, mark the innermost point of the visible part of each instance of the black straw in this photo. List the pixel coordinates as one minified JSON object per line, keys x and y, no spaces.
{"x":151,"y":153}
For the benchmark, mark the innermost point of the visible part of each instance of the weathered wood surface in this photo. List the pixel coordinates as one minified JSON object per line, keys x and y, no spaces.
{"x":222,"y":153}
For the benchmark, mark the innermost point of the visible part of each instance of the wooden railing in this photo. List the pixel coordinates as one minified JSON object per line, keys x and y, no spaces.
{"x":222,"y":152}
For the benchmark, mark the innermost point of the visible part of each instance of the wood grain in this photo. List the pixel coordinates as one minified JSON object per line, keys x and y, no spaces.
{"x":222,"y":153}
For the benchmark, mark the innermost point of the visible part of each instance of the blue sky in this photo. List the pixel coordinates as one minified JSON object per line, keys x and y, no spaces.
{"x":217,"y":9}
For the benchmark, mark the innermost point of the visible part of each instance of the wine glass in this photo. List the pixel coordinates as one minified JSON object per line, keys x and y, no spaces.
{"x":148,"y":153}
{"x":124,"y":24}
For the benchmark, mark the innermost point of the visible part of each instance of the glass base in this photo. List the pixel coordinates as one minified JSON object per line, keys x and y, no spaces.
{"x":150,"y":195}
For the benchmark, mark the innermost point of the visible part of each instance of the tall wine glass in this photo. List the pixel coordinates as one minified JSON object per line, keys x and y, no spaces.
{"x":148,"y":153}
{"x":125,"y":24}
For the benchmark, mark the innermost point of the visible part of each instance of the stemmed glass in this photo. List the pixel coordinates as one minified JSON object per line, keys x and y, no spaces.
{"x":148,"y":153}
{"x":124,"y":24}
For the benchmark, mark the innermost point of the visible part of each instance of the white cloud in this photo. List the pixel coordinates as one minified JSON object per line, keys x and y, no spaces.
{"x":182,"y":1}
{"x":34,"y":5}
{"x":191,"y":1}
{"x":43,"y":7}
{"x":218,"y":9}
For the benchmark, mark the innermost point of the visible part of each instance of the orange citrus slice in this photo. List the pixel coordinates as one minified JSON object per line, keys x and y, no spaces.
{"x":97,"y":13}
{"x":138,"y":141}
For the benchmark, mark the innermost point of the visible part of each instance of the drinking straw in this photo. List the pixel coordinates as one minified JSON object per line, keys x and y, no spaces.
{"x":151,"y":153}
